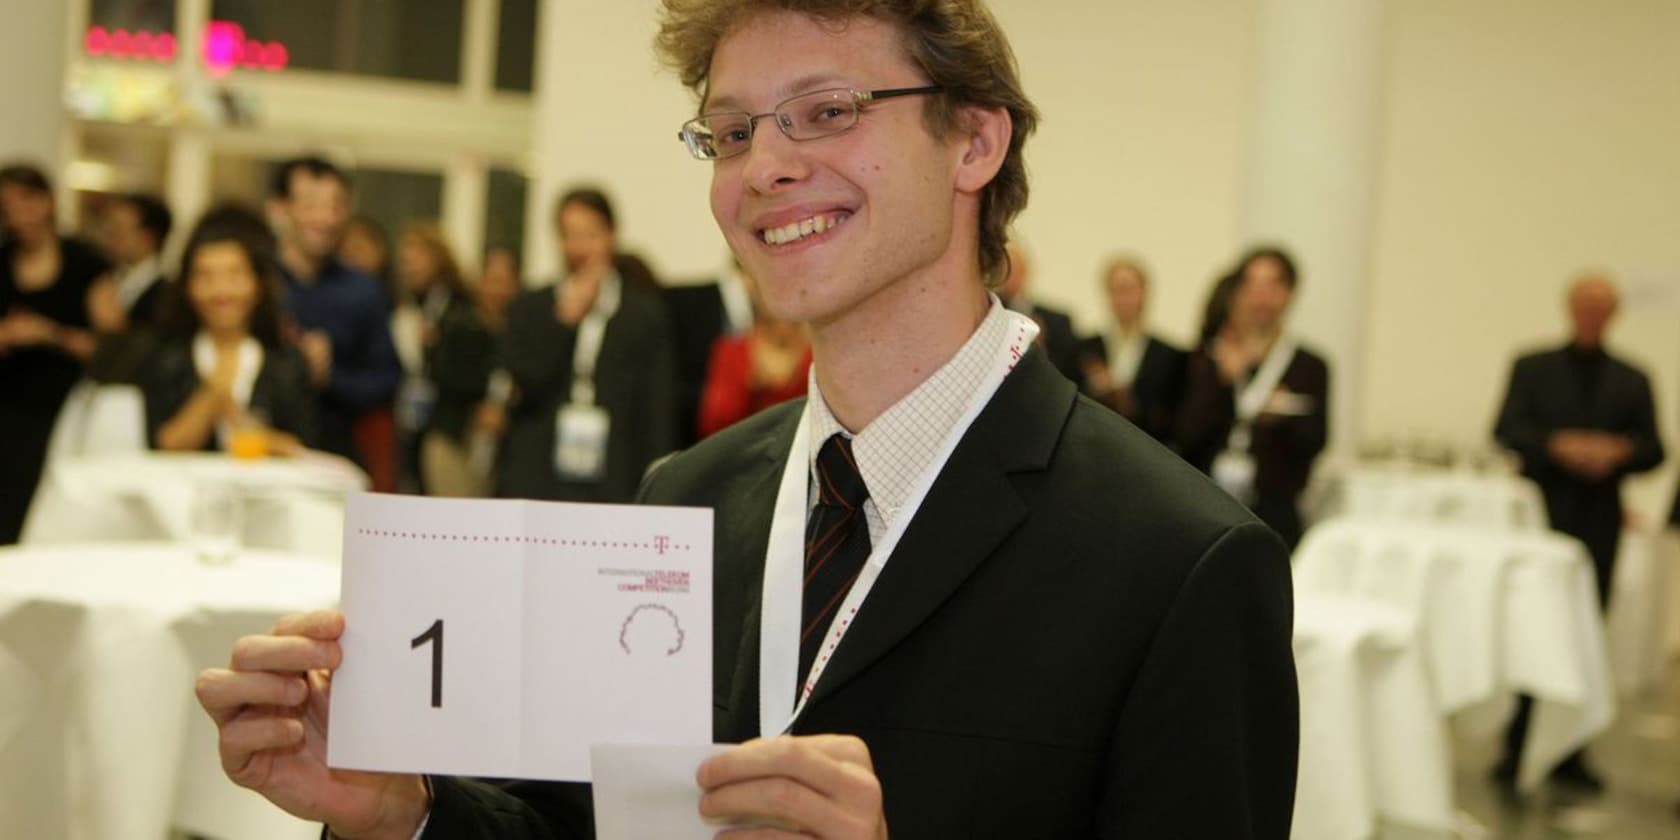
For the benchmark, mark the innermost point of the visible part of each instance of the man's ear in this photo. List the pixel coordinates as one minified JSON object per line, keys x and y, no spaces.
{"x":985,"y":134}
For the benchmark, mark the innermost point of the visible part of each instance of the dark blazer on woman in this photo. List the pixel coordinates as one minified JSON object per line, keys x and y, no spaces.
{"x":633,"y":382}
{"x":459,"y":365}
{"x":1284,"y":447}
{"x":1078,"y":637}
{"x":282,"y":392}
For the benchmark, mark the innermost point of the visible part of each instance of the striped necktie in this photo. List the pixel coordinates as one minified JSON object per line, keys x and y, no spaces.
{"x":836,"y":545}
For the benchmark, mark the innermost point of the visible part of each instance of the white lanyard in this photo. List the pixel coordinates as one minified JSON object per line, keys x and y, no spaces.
{"x":591,"y":331}
{"x":1251,"y":398}
{"x":784,"y":562}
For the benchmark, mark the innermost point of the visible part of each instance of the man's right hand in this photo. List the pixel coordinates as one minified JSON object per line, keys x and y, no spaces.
{"x":270,"y":707}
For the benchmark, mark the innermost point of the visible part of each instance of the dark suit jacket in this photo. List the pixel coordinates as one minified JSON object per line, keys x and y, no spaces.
{"x":632,"y":382}
{"x":1077,"y":637}
{"x":459,"y":364}
{"x":1061,"y":344}
{"x":282,"y":392}
{"x":1156,"y":390}
{"x":1284,"y":448}
{"x":698,"y":320}
{"x":1548,"y":392}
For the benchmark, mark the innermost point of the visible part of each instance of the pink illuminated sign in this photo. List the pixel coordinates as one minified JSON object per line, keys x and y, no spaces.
{"x":225,"y":48}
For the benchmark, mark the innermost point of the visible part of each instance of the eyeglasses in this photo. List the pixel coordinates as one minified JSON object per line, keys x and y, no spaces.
{"x":808,"y":116}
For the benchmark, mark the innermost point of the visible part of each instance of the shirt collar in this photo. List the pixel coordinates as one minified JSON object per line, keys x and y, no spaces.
{"x":893,"y":451}
{"x":137,"y":278}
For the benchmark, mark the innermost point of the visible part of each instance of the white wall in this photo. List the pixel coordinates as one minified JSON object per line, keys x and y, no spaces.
{"x":605,"y":112}
{"x":1526,"y":139}
{"x":32,"y":45}
{"x":1145,"y":120}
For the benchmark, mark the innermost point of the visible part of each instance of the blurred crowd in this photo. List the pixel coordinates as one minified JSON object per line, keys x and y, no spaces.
{"x":299,"y":324}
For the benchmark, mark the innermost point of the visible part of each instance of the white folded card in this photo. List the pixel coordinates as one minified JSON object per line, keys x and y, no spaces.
{"x":648,"y":790}
{"x":504,"y":638}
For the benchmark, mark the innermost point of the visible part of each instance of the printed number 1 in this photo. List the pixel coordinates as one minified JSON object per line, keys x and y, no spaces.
{"x":434,"y":634}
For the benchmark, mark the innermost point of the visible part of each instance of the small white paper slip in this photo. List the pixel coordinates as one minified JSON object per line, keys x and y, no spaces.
{"x":503,"y":638}
{"x":645,"y":791}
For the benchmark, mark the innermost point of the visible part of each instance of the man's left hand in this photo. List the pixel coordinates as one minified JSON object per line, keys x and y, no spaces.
{"x":794,"y":786}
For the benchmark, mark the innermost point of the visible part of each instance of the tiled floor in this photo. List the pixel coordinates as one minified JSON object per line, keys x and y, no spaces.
{"x":1639,"y":759}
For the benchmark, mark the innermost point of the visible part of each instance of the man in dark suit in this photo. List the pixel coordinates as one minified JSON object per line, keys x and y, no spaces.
{"x":1071,"y":634}
{"x":132,"y":232}
{"x":1127,"y":368}
{"x":592,"y":348}
{"x":702,"y":313}
{"x":1581,"y":420}
{"x":1056,"y":333}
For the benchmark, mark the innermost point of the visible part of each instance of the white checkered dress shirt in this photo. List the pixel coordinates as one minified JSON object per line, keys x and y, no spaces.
{"x":895,"y":449}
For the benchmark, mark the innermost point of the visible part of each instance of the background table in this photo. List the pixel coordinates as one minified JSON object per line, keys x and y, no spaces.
{"x":1372,"y":742}
{"x":101,"y":737}
{"x":290,"y":504}
{"x":1498,"y":612}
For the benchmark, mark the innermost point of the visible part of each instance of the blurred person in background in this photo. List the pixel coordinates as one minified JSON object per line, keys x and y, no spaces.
{"x":1581,"y":420}
{"x":431,"y":286}
{"x":701,"y":314}
{"x":222,"y":370}
{"x":1126,"y":368}
{"x":132,"y":231}
{"x":48,"y":288}
{"x":367,"y":248}
{"x":341,"y":317}
{"x":1056,"y":334}
{"x":448,"y":354}
{"x":590,"y":359}
{"x":1256,"y":403}
{"x":748,"y":373}
{"x":498,"y":284}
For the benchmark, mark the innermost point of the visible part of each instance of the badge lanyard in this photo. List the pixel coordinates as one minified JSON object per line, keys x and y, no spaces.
{"x":591,"y":332}
{"x":784,"y":562}
{"x":1251,"y":398}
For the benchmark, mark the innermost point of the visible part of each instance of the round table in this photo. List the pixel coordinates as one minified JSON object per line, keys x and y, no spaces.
{"x":100,"y":734}
{"x":290,"y":504}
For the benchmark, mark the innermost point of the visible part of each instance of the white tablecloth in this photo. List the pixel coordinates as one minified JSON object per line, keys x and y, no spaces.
{"x":100,"y":735}
{"x":294,"y":504}
{"x":1498,"y":612}
{"x":1372,"y":742}
{"x":1491,"y":500}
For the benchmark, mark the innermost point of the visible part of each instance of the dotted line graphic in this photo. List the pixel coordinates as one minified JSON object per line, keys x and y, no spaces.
{"x":624,"y":631}
{"x":495,"y":539}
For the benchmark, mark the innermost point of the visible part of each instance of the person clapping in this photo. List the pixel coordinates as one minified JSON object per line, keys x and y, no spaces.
{"x":222,"y":370}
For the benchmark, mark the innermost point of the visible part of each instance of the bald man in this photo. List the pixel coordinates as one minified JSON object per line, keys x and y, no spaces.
{"x":1582,"y":420}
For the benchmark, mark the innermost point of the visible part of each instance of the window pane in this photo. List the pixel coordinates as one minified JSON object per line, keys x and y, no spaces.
{"x":406,"y":39}
{"x":133,"y":15}
{"x":516,"y":45}
{"x":504,"y":213}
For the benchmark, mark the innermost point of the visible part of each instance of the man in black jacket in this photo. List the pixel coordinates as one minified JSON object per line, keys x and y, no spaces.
{"x":1012,"y":615}
{"x":1581,"y":420}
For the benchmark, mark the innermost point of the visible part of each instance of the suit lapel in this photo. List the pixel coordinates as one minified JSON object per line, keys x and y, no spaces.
{"x":747,"y":525}
{"x":971,"y":508}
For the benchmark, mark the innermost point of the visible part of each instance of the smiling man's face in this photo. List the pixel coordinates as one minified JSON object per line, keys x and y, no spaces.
{"x":884,"y":190}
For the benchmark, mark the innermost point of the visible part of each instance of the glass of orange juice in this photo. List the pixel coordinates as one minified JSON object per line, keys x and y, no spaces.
{"x":248,"y":439}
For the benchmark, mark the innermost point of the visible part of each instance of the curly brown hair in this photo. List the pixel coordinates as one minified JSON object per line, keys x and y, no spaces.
{"x":956,"y":43}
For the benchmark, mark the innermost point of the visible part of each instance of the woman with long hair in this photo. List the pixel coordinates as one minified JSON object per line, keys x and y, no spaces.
{"x":222,"y":366}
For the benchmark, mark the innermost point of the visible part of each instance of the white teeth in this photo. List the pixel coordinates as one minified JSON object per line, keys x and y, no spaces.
{"x":794,"y":231}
